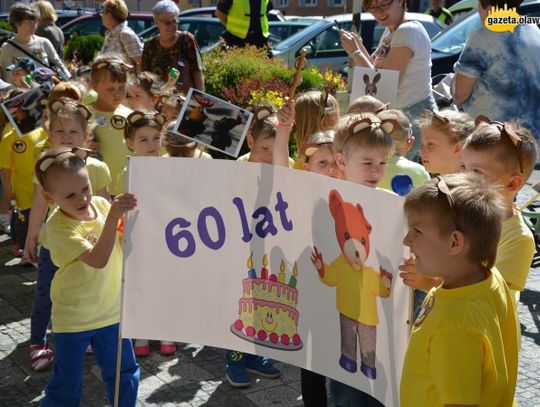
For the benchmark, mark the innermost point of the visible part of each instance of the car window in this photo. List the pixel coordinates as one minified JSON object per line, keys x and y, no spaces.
{"x":453,"y":39}
{"x":206,"y":34}
{"x":327,"y":43}
{"x":86,"y":27}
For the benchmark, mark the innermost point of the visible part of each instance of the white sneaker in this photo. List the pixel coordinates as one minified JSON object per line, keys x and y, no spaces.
{"x":5,"y":222}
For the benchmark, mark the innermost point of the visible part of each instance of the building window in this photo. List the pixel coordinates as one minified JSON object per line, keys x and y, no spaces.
{"x":308,"y":3}
{"x":336,"y":3}
{"x":281,"y":3}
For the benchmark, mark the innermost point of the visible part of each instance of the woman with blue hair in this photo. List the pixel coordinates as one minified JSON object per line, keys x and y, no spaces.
{"x":173,"y":49}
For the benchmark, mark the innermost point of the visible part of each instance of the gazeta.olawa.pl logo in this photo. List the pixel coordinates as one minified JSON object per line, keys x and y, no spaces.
{"x":506,"y":19}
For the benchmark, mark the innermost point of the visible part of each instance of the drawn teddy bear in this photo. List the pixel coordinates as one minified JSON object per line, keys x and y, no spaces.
{"x":371,"y":89}
{"x":357,"y":285}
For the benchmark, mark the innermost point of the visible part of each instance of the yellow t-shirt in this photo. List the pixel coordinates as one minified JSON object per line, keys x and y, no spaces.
{"x":83,"y":297}
{"x":109,"y":133}
{"x":356,"y":290}
{"x":463,"y":348}
{"x":18,"y":155}
{"x":515,"y":251}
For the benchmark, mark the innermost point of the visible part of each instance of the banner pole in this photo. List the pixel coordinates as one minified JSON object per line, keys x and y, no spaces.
{"x":118,"y":367}
{"x":356,"y":23}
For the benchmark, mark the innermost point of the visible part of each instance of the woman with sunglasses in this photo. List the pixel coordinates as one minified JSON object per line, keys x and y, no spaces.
{"x":24,"y":18}
{"x":173,"y":49}
{"x":404,"y":47}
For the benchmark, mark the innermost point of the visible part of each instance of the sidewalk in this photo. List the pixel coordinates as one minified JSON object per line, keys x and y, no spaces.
{"x":194,"y":376}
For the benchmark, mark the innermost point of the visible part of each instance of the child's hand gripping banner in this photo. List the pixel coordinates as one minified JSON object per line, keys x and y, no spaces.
{"x":261,"y":259}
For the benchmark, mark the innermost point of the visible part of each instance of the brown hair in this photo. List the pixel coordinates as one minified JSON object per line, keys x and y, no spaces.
{"x":137,"y":120}
{"x":455,"y":125}
{"x":488,"y":137}
{"x":477,"y":207}
{"x":19,"y":12}
{"x":401,"y":134}
{"x":365,"y":104}
{"x":117,"y":9}
{"x":111,"y":64}
{"x":63,"y":161}
{"x":346,"y":142}
{"x":147,"y":81}
{"x":69,"y":109}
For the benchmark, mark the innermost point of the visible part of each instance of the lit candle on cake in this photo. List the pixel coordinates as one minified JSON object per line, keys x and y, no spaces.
{"x":292,"y":281}
{"x":281,"y":276}
{"x":251,"y":273}
{"x":264,"y":270}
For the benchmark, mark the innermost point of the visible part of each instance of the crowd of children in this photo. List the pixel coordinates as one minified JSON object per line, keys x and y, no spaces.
{"x":470,"y":249}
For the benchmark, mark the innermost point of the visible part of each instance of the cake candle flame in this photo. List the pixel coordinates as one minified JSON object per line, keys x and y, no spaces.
{"x":264,"y":270}
{"x":251,"y":273}
{"x":292,"y":280}
{"x":281,"y":276}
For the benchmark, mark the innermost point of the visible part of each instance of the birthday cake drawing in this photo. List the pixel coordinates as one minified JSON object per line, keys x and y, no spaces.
{"x":267,"y":313}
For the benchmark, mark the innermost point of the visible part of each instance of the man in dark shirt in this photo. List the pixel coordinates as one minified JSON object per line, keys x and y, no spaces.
{"x":244,"y":22}
{"x":440,"y":13}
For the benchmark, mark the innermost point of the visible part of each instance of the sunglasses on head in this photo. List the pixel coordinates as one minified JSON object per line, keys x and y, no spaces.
{"x":507,"y":131}
{"x":443,"y":189}
{"x":46,"y":161}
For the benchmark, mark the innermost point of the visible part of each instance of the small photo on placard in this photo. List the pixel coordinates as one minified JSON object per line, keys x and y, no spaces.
{"x":25,"y":110}
{"x":211,"y":121}
{"x":379,"y":83}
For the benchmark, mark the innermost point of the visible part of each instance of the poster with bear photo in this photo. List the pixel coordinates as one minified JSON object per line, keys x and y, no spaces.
{"x":25,"y":110}
{"x":211,"y":121}
{"x":286,"y":264}
{"x":379,"y":83}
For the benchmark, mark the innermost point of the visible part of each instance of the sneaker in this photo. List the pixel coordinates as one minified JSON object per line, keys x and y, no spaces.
{"x":41,"y":357}
{"x":167,"y":348}
{"x":142,"y":347}
{"x":263,"y":367}
{"x":5,"y":225}
{"x":237,"y":377}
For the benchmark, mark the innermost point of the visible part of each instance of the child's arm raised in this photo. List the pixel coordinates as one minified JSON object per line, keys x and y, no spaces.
{"x":283,"y":130}
{"x":35,"y":221}
{"x":98,"y":256}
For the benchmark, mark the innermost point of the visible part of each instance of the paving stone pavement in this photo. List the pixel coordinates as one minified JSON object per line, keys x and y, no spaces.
{"x":194,"y":376}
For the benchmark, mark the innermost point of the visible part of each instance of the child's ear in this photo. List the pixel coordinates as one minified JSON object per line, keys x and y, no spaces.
{"x":408,"y":144}
{"x":457,"y":148}
{"x":48,"y":196}
{"x":340,"y":161}
{"x":306,"y":167}
{"x":457,"y":243}
{"x":250,"y":140}
{"x":129,"y":144}
{"x":515,"y":183}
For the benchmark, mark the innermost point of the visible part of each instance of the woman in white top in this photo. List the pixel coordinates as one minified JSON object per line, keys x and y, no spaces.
{"x":24,"y":19}
{"x":404,"y":47}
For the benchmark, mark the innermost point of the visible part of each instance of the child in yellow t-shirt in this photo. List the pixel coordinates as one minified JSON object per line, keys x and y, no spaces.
{"x":82,"y":236}
{"x":463,"y":348}
{"x":443,"y":134}
{"x":68,"y":127}
{"x":109,"y":77}
{"x":17,"y":158}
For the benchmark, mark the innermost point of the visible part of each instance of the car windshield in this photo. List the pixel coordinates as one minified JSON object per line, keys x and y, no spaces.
{"x":305,"y":33}
{"x":452,"y":40}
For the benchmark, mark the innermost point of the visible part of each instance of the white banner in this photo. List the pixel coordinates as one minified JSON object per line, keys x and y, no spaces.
{"x":220,"y":253}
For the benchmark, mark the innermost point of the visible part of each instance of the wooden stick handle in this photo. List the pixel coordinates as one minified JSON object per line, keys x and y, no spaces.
{"x":297,"y":79}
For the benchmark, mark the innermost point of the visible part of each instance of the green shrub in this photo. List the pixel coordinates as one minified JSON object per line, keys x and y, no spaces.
{"x":4,"y":25}
{"x":83,"y":49}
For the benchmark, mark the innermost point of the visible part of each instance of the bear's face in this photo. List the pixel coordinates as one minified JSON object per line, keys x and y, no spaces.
{"x":352,"y":230}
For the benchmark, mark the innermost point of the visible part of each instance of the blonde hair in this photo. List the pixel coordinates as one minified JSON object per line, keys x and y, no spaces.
{"x":371,"y":137}
{"x":70,"y":110}
{"x":456,"y":127}
{"x":401,"y":134}
{"x":110,"y":63}
{"x":488,"y":137}
{"x":46,"y":11}
{"x":117,"y":9}
{"x":365,"y":104}
{"x":477,"y":207}
{"x":309,"y":112}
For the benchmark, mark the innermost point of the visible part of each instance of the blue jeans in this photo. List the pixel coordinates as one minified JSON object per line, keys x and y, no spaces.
{"x":41,"y":306}
{"x":347,"y":396}
{"x":65,"y":387}
{"x":414,"y":113}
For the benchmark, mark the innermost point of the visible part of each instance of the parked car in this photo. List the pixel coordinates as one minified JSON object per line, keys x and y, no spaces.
{"x":273,"y":15}
{"x":64,"y":15}
{"x":208,"y":30}
{"x":91,"y":24}
{"x":322,"y":43}
{"x":446,"y":47}
{"x":461,"y":8}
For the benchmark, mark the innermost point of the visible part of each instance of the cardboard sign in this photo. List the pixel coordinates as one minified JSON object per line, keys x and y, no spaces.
{"x":270,"y":261}
{"x":379,"y":83}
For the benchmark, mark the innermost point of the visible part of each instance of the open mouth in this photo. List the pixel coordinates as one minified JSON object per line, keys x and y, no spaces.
{"x":82,"y":208}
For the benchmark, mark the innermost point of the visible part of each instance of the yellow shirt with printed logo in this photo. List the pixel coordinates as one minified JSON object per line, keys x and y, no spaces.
{"x":17,"y":155}
{"x":463,"y":348}
{"x":109,"y":133}
{"x":83,"y":297}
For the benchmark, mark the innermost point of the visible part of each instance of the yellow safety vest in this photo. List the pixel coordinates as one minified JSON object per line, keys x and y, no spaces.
{"x":239,"y":15}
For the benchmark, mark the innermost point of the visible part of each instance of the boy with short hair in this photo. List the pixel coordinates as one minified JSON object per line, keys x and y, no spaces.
{"x":463,"y":349}
{"x":81,"y":235}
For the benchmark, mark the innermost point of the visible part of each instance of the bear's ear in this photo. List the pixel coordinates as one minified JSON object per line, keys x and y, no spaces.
{"x":368,"y":226}
{"x":335,"y":202}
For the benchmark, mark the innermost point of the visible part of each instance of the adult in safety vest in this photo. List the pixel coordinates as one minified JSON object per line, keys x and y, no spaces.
{"x":439,"y":12}
{"x":245,"y":21}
